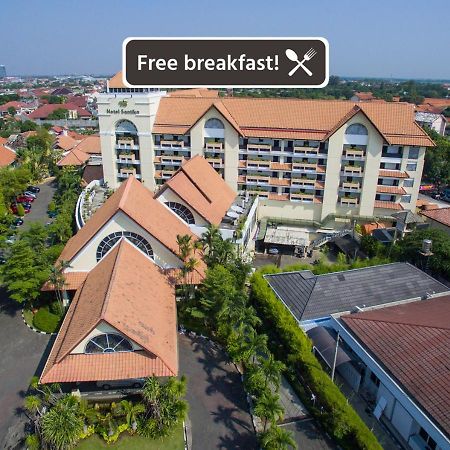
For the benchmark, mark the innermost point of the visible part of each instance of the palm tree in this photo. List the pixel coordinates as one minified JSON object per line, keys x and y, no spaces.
{"x":62,"y":426}
{"x":255,"y":344}
{"x":272,"y":371}
{"x":268,"y":408}
{"x":58,"y":280}
{"x":130,"y":411}
{"x":276,"y":438}
{"x":33,"y":404}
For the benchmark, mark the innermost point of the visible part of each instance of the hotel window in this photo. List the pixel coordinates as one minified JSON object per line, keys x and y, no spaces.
{"x":356,"y":128}
{"x":108,"y":343}
{"x":214,"y":123}
{"x":409,"y":182}
{"x":406,"y":198}
{"x":413,"y":153}
{"x":412,"y":167}
{"x":431,"y":443}
{"x":109,"y":241}
{"x":182,"y":212}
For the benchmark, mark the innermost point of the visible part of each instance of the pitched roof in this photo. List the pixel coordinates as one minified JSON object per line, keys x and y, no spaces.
{"x":136,"y":201}
{"x":116,"y":81}
{"x":411,"y":341}
{"x":392,"y":174}
{"x":441,"y":215}
{"x":387,"y":205}
{"x":364,"y":95}
{"x":43,"y":111}
{"x":130,"y":293}
{"x":291,"y":118}
{"x":202,"y":188}
{"x":7,"y":156}
{"x":65,"y":142}
{"x":407,"y":217}
{"x":310,"y":296}
{"x":90,"y":144}
{"x":197,"y":92}
{"x":72,"y":281}
{"x":73,"y":158}
{"x":91,"y":173}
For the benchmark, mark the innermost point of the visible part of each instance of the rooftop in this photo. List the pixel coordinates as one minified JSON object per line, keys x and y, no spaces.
{"x":310,"y":296}
{"x":412,"y":342}
{"x":441,"y":215}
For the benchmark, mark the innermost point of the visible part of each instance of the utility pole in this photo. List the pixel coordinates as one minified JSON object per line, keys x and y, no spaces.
{"x":333,"y":369}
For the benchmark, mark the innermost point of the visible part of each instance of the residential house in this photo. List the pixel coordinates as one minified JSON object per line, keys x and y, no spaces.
{"x":438,"y":218}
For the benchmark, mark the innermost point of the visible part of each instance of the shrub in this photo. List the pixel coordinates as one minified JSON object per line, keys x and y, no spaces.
{"x":51,"y":207}
{"x":46,"y":321}
{"x":294,"y":348}
{"x":20,"y":210}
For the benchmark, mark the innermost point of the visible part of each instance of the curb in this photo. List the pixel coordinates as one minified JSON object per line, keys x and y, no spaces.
{"x":34,"y":329}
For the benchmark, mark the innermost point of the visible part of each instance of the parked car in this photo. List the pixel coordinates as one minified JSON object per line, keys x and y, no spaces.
{"x":131,"y":383}
{"x":11,"y":239}
{"x":34,"y":189}
{"x":273,"y":251}
{"x":18,"y":222}
{"x":24,"y":199}
{"x":52,"y":214}
{"x":30,"y":194}
{"x":26,"y":207}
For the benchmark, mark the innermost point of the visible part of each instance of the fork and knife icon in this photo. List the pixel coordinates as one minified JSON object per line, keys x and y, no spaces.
{"x":292,"y":55}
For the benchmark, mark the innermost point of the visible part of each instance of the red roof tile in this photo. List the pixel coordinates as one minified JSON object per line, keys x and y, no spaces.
{"x":412,"y":342}
{"x":387,"y":205}
{"x":7,"y":156}
{"x":441,"y":215}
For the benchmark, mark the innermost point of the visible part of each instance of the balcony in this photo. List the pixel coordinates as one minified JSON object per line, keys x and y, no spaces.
{"x":216,"y":146}
{"x":258,"y":164}
{"x":301,"y":197}
{"x":165,"y":143}
{"x":123,"y":144}
{"x":163,"y":174}
{"x":287,"y":167}
{"x":257,"y":179}
{"x":217,"y":163}
{"x":307,"y":151}
{"x":305,"y":167}
{"x":348,"y":201}
{"x":171,"y":160}
{"x":259,"y":148}
{"x":303,"y":182}
{"x":350,"y":186}
{"x":353,"y":171}
{"x":127,"y":159}
{"x":353,"y":153}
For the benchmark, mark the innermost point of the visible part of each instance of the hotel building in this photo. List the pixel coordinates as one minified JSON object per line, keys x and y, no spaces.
{"x":315,"y":158}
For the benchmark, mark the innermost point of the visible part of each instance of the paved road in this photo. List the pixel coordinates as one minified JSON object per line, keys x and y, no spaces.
{"x":39,"y":207}
{"x":439,"y":203}
{"x":308,"y":436}
{"x":217,"y":406}
{"x":22,"y":354}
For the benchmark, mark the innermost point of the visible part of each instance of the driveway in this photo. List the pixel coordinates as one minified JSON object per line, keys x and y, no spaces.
{"x":22,"y":354}
{"x":218,"y":409}
{"x":308,"y":436}
{"x":39,"y":207}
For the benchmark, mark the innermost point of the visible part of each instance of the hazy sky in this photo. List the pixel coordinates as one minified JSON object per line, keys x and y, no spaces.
{"x":398,"y":38}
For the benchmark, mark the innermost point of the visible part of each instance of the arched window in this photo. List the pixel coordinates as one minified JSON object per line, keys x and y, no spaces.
{"x":108,"y":343}
{"x":126,"y":127}
{"x":214,"y":123}
{"x":356,"y":128}
{"x":109,"y":241}
{"x":181,"y":211}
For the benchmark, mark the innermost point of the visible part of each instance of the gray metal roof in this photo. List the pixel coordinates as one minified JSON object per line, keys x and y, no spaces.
{"x":310,"y":296}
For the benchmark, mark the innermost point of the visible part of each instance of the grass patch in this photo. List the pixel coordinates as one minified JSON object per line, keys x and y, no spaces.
{"x":46,"y":321}
{"x":126,"y":442}
{"x":28,"y":316}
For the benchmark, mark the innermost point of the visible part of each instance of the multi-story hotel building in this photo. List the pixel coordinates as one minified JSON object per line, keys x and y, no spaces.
{"x":315,"y":158}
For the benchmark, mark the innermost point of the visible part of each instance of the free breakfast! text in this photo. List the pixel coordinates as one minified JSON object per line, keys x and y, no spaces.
{"x":241,"y":63}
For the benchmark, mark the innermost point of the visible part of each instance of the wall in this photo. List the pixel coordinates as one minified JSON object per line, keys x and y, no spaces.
{"x":86,"y":259}
{"x":289,"y":210}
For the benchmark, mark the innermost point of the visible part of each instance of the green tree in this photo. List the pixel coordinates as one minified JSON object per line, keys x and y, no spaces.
{"x":20,"y":210}
{"x":272,"y":371}
{"x":437,"y":160}
{"x":13,"y":181}
{"x":12,"y":111}
{"x":268,"y":409}
{"x":276,"y":438}
{"x":58,"y":114}
{"x":130,"y":411}
{"x":58,"y":280}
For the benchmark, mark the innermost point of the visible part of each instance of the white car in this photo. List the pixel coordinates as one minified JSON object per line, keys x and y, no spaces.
{"x":30,"y":194}
{"x":131,"y":383}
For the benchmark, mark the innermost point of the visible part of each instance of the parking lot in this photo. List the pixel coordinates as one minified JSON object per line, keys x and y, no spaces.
{"x":39,"y":207}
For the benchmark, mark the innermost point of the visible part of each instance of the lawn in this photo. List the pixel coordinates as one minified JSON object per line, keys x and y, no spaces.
{"x":126,"y":442}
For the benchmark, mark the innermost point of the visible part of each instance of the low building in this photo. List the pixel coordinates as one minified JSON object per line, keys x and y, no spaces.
{"x":438,"y":218}
{"x":312,"y":299}
{"x":362,"y":97}
{"x":434,"y":121}
{"x":400,"y":363}
{"x":7,"y":155}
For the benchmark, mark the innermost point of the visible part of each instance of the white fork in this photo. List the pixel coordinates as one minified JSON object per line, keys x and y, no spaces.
{"x":306,"y":57}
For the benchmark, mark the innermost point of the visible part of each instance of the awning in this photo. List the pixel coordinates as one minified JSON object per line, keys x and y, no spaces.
{"x":324,"y":341}
{"x":286,"y":236}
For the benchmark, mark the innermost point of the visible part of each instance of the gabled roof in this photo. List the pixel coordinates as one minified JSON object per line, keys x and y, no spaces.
{"x":116,"y":81}
{"x":364,"y":96}
{"x":197,"y":92}
{"x":412,"y":342}
{"x":137,"y":202}
{"x":73,"y":158}
{"x":65,"y":142}
{"x":90,"y":144}
{"x":202,"y":188}
{"x":7,"y":156}
{"x":441,"y":215}
{"x":43,"y":111}
{"x":291,"y":118}
{"x":310,"y":296}
{"x":129,"y":292}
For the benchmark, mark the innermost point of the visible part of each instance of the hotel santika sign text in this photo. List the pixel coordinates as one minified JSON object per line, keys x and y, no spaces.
{"x":123,"y":104}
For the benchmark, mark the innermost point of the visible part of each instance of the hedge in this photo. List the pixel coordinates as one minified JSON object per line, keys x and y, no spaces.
{"x":44,"y":320}
{"x":294,"y":348}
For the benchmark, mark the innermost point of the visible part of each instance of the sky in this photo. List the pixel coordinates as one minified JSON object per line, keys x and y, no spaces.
{"x":383,"y":38}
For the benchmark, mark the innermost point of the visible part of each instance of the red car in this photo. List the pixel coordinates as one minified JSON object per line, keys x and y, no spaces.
{"x":14,"y":209}
{"x":24,"y":199}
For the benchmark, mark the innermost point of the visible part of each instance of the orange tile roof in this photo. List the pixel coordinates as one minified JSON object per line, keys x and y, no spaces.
{"x":130,"y":293}
{"x":116,"y":81}
{"x":364,"y":95}
{"x":279,"y":182}
{"x":90,"y":145}
{"x":283,"y":197}
{"x":292,"y":118}
{"x":280,"y":166}
{"x":7,"y":156}
{"x":441,"y":215}
{"x":392,"y":174}
{"x":202,"y":188}
{"x":197,"y":92}
{"x":73,"y":280}
{"x":135,"y":200}
{"x":390,"y":190}
{"x":74,"y":157}
{"x":65,"y":142}
{"x":387,"y":205}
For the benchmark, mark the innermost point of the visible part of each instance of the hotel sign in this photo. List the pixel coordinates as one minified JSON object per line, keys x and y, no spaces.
{"x":134,"y":112}
{"x":225,"y":62}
